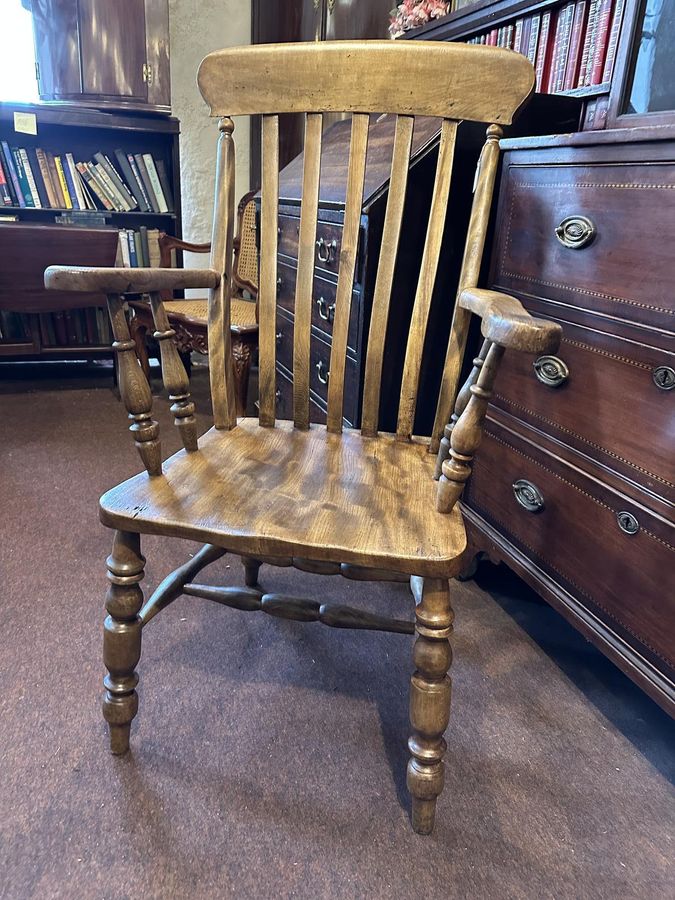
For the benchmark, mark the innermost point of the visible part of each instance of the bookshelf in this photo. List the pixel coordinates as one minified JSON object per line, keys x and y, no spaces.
{"x":40,"y":332}
{"x":574,"y":45}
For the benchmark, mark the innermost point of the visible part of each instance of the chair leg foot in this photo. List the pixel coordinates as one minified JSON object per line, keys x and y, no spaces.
{"x":122,"y":638}
{"x":251,"y":569}
{"x":430,"y":690}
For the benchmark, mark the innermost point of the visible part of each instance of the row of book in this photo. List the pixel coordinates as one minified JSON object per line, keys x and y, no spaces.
{"x":573,"y":46}
{"x":36,"y":178}
{"x":138,"y":248}
{"x":74,"y":327}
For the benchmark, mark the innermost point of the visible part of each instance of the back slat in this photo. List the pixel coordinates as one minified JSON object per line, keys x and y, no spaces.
{"x":385,"y":273}
{"x":426,"y":281}
{"x":267,"y":293}
{"x":305,"y":278}
{"x":348,"y":251}
{"x":473,"y":254}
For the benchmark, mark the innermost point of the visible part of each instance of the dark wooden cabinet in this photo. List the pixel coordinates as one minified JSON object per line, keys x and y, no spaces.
{"x":574,"y":485}
{"x":104,"y":54}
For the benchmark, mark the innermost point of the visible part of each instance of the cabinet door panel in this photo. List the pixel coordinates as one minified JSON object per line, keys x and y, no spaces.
{"x":57,"y":52}
{"x":356,"y":20}
{"x":157,"y":44}
{"x":112,"y":42}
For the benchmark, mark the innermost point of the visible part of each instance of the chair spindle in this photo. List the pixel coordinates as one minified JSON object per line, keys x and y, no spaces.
{"x":174,"y":376}
{"x":426,"y":280}
{"x":134,"y":389}
{"x":220,"y":342}
{"x":267,"y":290}
{"x":385,"y":274}
{"x":305,"y":278}
{"x":348,"y":252}
{"x":473,"y":253}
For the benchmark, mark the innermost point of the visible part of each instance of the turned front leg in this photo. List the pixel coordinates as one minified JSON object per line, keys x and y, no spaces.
{"x":122,"y":637}
{"x":175,"y":376}
{"x":430,"y":689}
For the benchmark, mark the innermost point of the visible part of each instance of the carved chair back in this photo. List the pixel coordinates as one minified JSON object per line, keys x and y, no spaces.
{"x":450,"y":81}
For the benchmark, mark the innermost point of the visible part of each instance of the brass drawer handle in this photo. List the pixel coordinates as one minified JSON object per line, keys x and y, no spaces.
{"x":528,"y":495}
{"x":326,"y":250}
{"x":627,"y":522}
{"x":322,"y":372}
{"x":551,"y":371}
{"x":326,"y":312}
{"x":575,"y":232}
{"x":279,"y":337}
{"x":664,"y":378}
{"x":280,"y":284}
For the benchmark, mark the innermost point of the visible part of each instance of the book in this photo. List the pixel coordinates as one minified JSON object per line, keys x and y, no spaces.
{"x":543,"y":52}
{"x":154,"y":255}
{"x":11,"y":167}
{"x":23,"y":181}
{"x":40,"y":185}
{"x":75,"y":180}
{"x":70,"y":184}
{"x":492,"y":38}
{"x":601,"y":40}
{"x":132,"y":181}
{"x":60,"y":174}
{"x":133,"y":164}
{"x":154,"y":181}
{"x":116,"y":198}
{"x":563,"y":38}
{"x":131,"y":244}
{"x":140,"y":162}
{"x":576,"y":39}
{"x":30,"y":178}
{"x":518,"y":35}
{"x":51,"y":165}
{"x":124,"y":247}
{"x":5,"y":195}
{"x":139,"y":248}
{"x":46,"y":178}
{"x":533,"y":44}
{"x":165,"y":183}
{"x":93,"y":186}
{"x":145,"y":245}
{"x":127,"y":201}
{"x":613,"y":41}
{"x":587,"y":53}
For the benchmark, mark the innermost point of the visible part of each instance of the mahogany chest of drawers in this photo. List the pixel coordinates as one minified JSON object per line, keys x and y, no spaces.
{"x":574,"y":483}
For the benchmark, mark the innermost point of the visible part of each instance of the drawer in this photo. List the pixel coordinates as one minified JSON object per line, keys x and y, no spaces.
{"x":326,"y":247}
{"x":319,"y":368}
{"x":610,"y":402}
{"x":577,"y":536}
{"x":626,"y":269}
{"x":323,"y":304}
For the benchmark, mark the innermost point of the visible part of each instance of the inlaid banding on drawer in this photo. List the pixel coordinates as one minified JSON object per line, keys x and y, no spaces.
{"x":608,"y":406}
{"x":627,"y":266}
{"x":577,"y":537}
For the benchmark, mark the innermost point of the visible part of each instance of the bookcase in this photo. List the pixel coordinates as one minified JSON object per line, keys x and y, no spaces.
{"x":578,"y":47}
{"x":77,"y":134}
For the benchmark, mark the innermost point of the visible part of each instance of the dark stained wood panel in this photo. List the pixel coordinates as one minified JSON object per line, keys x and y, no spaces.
{"x":112,"y":41}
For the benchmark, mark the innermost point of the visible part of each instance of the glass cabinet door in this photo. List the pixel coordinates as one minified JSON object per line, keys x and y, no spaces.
{"x":650,"y":87}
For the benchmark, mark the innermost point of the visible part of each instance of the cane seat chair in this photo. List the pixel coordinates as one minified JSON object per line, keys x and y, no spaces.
{"x":356,"y":503}
{"x":189,"y":318}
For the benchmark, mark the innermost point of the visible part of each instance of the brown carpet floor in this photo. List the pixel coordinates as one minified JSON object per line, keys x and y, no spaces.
{"x":269,"y":757}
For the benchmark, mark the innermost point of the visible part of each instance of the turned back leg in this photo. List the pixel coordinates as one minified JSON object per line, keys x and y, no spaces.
{"x":430,"y":689}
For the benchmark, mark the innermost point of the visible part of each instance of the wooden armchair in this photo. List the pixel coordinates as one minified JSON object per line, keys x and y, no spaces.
{"x":189,"y":318}
{"x":354,"y":503}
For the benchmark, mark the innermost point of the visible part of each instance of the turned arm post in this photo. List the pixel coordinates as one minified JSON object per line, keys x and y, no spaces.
{"x":466,"y":432}
{"x":175,"y":377}
{"x":460,"y":405}
{"x":134,"y":389}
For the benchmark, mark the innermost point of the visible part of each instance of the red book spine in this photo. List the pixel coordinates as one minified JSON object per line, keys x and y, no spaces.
{"x":575,"y":45}
{"x":492,"y":38}
{"x":613,"y":41}
{"x":565,"y":37}
{"x":601,"y":41}
{"x":588,"y":40}
{"x":554,"y":40}
{"x":543,"y":51}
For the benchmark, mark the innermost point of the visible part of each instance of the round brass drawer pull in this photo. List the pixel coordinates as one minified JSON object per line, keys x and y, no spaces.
{"x":551,"y":371}
{"x":326,"y":312}
{"x":664,"y":378}
{"x":575,"y":232}
{"x":326,"y":250}
{"x":528,"y":495}
{"x":627,"y":522}
{"x":322,"y":372}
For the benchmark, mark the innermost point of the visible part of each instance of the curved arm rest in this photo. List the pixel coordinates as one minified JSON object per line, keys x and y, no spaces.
{"x":507,"y":323}
{"x":117,"y":280}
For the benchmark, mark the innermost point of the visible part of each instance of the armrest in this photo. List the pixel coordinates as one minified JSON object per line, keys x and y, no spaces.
{"x":507,"y":323}
{"x":174,"y":243}
{"x":116,"y":280}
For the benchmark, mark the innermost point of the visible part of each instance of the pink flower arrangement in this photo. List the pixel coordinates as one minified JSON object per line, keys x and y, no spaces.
{"x":412,"y":13}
